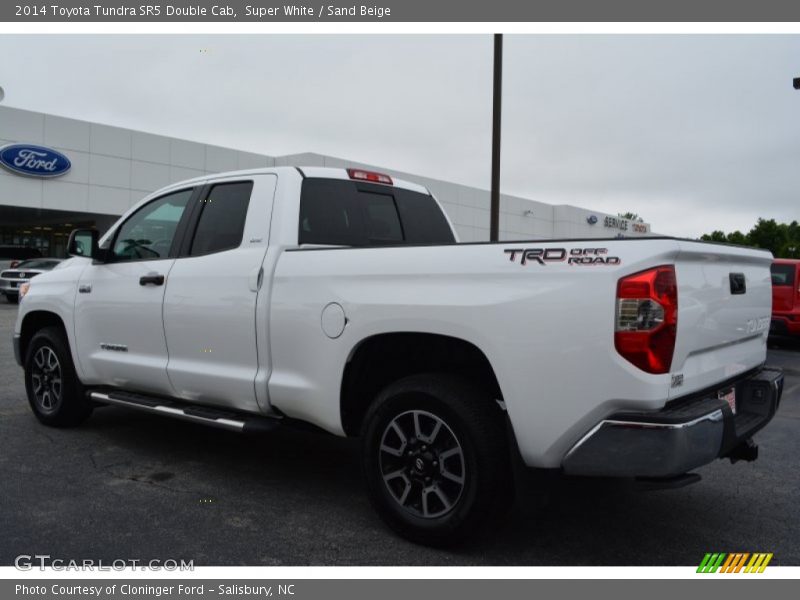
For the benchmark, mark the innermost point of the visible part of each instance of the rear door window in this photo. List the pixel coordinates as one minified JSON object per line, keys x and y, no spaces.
{"x":221,"y":224}
{"x":782,"y":275}
{"x":347,"y":213}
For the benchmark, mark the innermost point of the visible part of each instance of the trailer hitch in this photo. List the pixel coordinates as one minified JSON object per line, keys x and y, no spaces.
{"x":747,"y":451}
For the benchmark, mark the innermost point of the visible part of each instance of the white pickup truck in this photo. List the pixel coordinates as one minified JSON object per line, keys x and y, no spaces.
{"x":341,"y":298}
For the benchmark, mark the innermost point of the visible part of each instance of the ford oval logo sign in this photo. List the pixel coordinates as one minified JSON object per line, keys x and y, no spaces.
{"x":592,"y":219}
{"x":34,"y":161}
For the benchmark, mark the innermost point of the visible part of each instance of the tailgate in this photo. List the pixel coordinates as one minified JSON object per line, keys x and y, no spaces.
{"x":722,"y":324}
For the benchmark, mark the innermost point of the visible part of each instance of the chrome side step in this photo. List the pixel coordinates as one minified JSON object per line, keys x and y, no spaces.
{"x":221,"y":419}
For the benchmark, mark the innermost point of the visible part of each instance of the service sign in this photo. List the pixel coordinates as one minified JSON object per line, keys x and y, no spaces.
{"x":34,"y":161}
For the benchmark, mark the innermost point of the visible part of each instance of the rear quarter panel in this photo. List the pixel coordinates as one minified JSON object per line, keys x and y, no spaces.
{"x":547,"y":330}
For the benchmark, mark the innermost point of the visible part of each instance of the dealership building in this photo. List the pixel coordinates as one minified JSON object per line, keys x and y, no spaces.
{"x":90,"y":173}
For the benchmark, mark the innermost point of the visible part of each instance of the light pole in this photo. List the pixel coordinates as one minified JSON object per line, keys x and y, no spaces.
{"x":494,"y":209}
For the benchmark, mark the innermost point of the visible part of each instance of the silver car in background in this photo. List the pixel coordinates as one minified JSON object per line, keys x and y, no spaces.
{"x":11,"y":279}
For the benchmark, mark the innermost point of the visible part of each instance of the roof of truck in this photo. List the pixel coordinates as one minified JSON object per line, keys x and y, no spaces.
{"x":313,"y":172}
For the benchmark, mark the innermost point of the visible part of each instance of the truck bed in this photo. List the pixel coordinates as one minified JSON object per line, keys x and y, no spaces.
{"x":545,"y":323}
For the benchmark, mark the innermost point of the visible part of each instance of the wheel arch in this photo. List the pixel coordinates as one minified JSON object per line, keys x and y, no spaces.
{"x":379,"y":359}
{"x":35,"y":321}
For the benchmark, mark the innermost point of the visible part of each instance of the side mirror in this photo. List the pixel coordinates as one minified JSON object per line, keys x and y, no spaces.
{"x":83,"y":242}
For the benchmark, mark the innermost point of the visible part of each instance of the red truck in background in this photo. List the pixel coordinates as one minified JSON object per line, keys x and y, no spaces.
{"x":785,"y":297}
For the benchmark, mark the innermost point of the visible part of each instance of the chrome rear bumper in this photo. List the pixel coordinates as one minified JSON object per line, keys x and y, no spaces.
{"x":687,"y":434}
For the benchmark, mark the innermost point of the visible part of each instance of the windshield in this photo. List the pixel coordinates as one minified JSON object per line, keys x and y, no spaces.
{"x":782,"y":275}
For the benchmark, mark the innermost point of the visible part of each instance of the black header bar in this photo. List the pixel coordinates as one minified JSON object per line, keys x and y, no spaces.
{"x":400,"y":11}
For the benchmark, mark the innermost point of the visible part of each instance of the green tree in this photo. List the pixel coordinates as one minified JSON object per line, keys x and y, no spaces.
{"x":768,"y":234}
{"x":792,"y":240}
{"x":790,"y":250}
{"x":631,"y":216}
{"x":782,"y":239}
{"x":738,"y":238}
{"x":714,"y":236}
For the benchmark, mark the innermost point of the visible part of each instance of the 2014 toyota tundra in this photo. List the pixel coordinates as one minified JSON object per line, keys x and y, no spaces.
{"x":341,"y":298}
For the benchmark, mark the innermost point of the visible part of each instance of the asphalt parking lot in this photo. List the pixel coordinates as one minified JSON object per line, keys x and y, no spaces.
{"x":132,"y":486}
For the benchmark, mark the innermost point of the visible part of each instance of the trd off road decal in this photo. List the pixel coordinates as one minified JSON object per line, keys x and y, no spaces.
{"x":570,"y":256}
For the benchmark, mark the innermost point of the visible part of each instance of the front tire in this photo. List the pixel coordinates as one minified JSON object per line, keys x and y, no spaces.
{"x":436,"y":459}
{"x":55,"y":394}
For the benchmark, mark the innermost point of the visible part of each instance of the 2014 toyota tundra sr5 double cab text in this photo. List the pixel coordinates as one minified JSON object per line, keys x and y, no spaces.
{"x":340,"y":298}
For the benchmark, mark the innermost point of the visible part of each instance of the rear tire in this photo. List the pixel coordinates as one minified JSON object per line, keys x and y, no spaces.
{"x":55,"y":394}
{"x":435,"y":458}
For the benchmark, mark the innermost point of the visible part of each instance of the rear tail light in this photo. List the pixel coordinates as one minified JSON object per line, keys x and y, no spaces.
{"x":370,"y":176}
{"x":647,"y":318}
